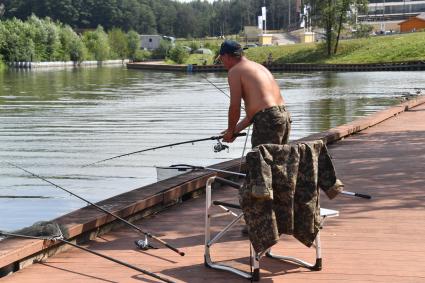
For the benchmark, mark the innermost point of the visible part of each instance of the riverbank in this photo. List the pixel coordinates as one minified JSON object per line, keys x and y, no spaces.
{"x":376,"y":49}
{"x":399,"y":128}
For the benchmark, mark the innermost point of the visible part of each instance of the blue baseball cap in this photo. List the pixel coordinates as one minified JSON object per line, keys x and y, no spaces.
{"x":230,"y":47}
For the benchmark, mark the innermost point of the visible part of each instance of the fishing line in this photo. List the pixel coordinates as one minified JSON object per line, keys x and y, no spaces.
{"x":247,"y":135}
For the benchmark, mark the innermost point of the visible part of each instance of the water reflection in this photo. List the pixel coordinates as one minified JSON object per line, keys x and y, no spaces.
{"x":54,"y":121}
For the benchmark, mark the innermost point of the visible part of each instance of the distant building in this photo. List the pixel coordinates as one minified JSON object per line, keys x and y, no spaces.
{"x":251,"y":33}
{"x":413,"y":23}
{"x":379,"y":10}
{"x":151,"y":42}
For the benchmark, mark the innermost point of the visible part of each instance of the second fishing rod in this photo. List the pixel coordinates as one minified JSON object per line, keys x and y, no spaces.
{"x":102,"y":209}
{"x":217,"y":148}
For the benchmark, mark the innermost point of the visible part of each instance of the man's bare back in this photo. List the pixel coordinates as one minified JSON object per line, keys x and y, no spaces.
{"x":258,"y":87}
{"x":250,"y":82}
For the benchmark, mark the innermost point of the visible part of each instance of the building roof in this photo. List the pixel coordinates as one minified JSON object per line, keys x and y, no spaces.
{"x":421,"y":17}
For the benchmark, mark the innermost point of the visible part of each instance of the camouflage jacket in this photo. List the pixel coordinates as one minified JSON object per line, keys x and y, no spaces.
{"x":281,"y":192}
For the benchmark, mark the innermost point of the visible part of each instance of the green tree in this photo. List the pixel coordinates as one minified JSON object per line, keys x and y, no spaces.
{"x":45,"y":35}
{"x":17,"y":43}
{"x":77,"y":50}
{"x":119,"y":44}
{"x":97,"y":44}
{"x":133,"y":44}
{"x":72,"y":45}
{"x":170,"y":17}
{"x":331,"y":15}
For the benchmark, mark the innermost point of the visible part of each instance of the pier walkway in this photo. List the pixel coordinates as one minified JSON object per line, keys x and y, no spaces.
{"x":377,"y":240}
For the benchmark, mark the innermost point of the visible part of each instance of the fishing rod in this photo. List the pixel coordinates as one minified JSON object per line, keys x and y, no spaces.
{"x":217,"y":148}
{"x":61,"y":239}
{"x":102,"y":209}
{"x":187,"y":166}
{"x":192,"y":167}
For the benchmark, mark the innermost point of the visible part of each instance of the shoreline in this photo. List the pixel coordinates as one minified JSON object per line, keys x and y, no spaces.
{"x":64,"y":64}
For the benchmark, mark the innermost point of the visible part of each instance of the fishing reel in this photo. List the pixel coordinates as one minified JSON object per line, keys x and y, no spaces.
{"x":144,"y":244}
{"x":220,"y":147}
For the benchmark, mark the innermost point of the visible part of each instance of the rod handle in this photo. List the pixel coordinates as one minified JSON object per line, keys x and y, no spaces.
{"x":362,"y":196}
{"x":239,"y":135}
{"x":356,"y":195}
{"x":234,"y":135}
{"x":165,"y":244}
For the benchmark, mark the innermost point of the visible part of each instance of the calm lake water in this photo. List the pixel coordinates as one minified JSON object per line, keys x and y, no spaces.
{"x":55,"y":121}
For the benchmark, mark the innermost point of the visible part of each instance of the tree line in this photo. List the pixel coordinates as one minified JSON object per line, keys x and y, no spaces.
{"x":45,"y":40}
{"x":180,"y":19}
{"x":193,"y":19}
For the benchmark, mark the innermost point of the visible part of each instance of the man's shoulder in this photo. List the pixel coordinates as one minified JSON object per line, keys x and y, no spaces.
{"x":242,"y":66}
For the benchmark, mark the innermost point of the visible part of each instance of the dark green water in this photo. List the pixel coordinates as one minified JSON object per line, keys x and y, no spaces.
{"x":54,"y":121}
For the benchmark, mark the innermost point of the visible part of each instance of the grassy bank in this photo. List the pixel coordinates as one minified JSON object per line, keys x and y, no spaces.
{"x":378,"y":49}
{"x":394,"y":48}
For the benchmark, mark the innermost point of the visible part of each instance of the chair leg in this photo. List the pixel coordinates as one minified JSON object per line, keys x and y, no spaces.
{"x":315,"y":267}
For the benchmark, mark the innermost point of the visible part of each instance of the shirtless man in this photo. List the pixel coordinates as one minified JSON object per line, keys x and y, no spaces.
{"x":264,"y":106}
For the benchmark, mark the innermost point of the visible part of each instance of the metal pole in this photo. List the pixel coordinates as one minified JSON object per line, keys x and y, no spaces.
{"x":383,"y":15}
{"x":265,"y":19}
{"x":289,"y":14}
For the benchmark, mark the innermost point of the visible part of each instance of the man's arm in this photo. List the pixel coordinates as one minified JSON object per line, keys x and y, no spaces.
{"x":245,"y":122}
{"x":235,"y":106}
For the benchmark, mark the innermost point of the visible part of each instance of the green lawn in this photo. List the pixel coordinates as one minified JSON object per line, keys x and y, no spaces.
{"x":394,"y":48}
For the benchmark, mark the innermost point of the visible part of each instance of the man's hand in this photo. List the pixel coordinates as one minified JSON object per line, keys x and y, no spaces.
{"x":228,"y":136}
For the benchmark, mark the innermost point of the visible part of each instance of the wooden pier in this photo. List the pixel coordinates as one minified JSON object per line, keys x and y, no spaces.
{"x":378,"y":240}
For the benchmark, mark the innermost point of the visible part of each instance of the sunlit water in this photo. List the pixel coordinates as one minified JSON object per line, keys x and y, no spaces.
{"x":55,"y":121}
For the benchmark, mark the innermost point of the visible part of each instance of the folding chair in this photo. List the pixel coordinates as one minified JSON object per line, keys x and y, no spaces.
{"x":255,"y":257}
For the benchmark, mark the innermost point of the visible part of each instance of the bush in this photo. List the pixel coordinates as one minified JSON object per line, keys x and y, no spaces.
{"x":194,"y":45}
{"x":363,"y":30}
{"x":178,"y":54}
{"x":142,"y":55}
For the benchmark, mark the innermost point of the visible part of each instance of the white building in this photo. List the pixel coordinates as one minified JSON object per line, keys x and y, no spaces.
{"x":151,"y":42}
{"x":379,"y":10}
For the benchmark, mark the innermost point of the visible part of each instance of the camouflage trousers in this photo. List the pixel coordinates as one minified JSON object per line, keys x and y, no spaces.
{"x":271,"y":126}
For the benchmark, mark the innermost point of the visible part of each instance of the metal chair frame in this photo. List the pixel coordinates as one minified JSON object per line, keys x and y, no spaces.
{"x":255,"y":257}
